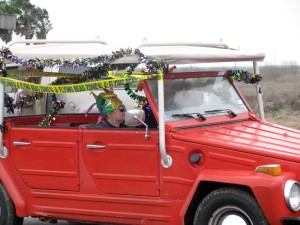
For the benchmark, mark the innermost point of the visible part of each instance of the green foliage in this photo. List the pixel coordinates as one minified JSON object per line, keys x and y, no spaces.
{"x":31,"y":19}
{"x":7,"y":8}
{"x":5,"y":35}
{"x":43,"y":25}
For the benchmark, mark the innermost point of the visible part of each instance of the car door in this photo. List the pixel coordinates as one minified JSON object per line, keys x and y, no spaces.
{"x":46,"y":158}
{"x":122,"y":161}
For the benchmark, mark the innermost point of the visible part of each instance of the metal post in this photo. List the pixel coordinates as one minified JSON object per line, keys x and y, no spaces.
{"x":1,"y":115}
{"x":259,"y":93}
{"x":166,"y":160}
{"x":3,"y":149}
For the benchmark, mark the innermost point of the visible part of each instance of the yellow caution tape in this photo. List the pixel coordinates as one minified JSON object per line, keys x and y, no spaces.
{"x":68,"y":88}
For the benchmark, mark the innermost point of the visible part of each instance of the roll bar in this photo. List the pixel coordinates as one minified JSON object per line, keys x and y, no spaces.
{"x":166,"y":160}
{"x":259,"y":93}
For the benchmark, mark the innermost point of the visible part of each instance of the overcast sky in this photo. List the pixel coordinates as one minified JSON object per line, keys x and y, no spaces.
{"x":270,"y":26}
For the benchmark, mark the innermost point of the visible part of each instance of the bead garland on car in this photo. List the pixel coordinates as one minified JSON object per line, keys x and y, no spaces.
{"x":89,"y":80}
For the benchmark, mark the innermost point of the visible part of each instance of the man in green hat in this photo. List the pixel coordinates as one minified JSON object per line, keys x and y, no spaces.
{"x":112,"y":110}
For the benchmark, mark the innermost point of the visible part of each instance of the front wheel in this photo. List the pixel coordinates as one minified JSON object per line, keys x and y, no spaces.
{"x":7,"y":209}
{"x":227,"y":206}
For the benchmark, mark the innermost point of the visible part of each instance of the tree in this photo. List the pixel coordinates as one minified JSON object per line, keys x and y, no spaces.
{"x":31,"y":20}
{"x":6,"y":35}
{"x":44,"y":25}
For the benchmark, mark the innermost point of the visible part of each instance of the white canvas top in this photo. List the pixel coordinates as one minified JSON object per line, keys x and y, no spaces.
{"x":181,"y":54}
{"x":172,"y":53}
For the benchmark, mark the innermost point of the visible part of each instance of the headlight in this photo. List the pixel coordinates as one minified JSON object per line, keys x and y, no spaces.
{"x":292,"y":195}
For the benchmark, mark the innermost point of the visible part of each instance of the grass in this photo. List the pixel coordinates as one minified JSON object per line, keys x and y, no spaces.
{"x":281,"y":95}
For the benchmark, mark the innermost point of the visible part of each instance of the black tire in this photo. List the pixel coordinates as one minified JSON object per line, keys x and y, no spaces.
{"x":240,"y":205}
{"x":7,"y":209}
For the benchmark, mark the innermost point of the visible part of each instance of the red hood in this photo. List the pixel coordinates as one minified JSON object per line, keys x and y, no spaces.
{"x":248,"y":136}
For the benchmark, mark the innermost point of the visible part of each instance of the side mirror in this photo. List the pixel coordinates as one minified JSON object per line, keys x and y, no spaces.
{"x":135,"y":118}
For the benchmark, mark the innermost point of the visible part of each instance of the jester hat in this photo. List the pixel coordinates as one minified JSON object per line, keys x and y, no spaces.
{"x":107,"y":102}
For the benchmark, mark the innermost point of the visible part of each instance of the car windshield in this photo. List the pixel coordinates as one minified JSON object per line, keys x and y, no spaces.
{"x":199,"y":96}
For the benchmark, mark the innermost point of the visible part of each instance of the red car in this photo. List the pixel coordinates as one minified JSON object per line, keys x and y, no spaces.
{"x":200,"y":156}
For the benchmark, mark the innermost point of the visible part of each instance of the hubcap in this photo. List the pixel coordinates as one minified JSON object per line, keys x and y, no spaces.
{"x":228,"y":215}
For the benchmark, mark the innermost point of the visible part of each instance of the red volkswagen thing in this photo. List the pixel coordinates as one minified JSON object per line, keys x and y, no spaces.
{"x":191,"y":150}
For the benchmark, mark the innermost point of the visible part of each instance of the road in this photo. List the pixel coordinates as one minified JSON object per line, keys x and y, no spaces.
{"x":33,"y":221}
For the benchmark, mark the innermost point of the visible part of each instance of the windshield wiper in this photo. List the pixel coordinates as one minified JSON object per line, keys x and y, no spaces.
{"x":201,"y":116}
{"x":190,"y":115}
{"x":183,"y":115}
{"x":229,"y":111}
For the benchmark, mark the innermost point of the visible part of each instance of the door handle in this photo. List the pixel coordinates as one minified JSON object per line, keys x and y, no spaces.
{"x":95,"y":146}
{"x":20,"y":143}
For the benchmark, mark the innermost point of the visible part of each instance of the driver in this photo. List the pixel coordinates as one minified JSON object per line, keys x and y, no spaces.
{"x":112,"y":111}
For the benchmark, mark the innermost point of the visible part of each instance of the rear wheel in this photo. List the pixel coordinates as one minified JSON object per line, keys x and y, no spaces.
{"x":227,"y":206}
{"x":7,"y":209}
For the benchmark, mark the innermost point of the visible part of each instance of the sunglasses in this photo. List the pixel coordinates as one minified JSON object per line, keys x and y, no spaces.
{"x":122,"y":108}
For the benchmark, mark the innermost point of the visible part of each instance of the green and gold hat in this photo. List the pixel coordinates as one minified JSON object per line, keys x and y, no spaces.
{"x":108,"y":102}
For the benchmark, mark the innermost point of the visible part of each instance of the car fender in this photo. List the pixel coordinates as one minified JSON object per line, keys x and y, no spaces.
{"x":264,"y":187}
{"x":13,"y":191}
